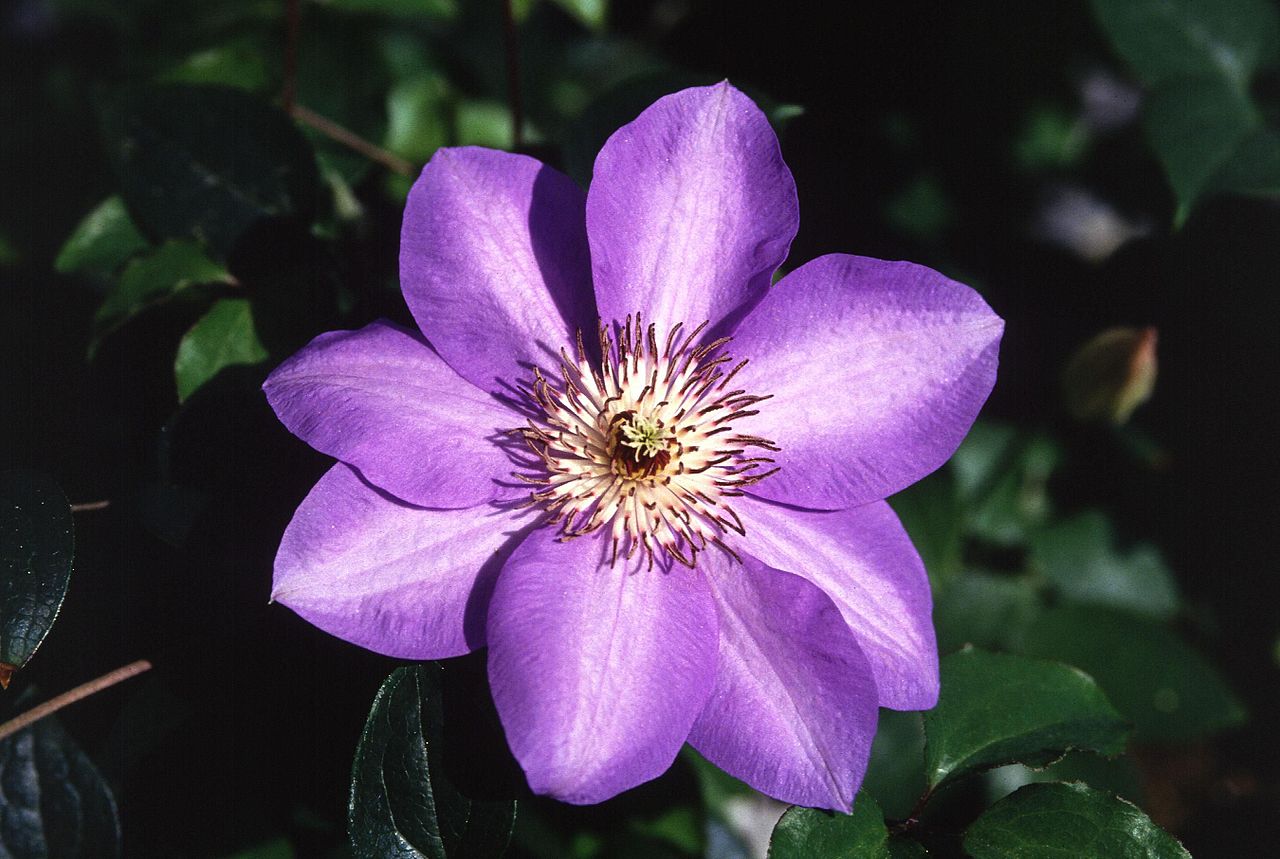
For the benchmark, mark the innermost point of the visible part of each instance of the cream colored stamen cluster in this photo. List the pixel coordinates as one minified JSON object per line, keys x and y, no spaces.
{"x":646,"y":446}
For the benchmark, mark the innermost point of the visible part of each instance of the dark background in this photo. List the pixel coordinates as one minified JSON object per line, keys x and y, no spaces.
{"x":246,"y":727}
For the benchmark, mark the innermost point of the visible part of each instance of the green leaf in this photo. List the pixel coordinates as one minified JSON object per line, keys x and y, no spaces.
{"x":419,"y":116}
{"x":54,"y":803}
{"x":223,"y":337}
{"x":1165,"y":39}
{"x":1002,"y":474}
{"x":592,"y":14}
{"x":985,"y":610}
{"x":1118,"y":775}
{"x":402,"y":804}
{"x":930,"y":511}
{"x":807,"y":833}
{"x":36,"y":545}
{"x":998,"y":708}
{"x":895,"y":773}
{"x":208,"y":162}
{"x":1078,"y":556}
{"x":1165,"y":688}
{"x":444,"y":9}
{"x":1066,"y":821}
{"x":238,"y":64}
{"x":160,"y":276}
{"x":101,"y":242}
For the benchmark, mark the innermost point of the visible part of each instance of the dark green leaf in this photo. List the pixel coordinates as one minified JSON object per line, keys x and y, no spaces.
{"x":1118,"y":775}
{"x":208,"y":162}
{"x":402,"y":804}
{"x":101,"y":242}
{"x":36,"y":543}
{"x":238,"y":64}
{"x":1067,"y":821}
{"x":223,"y":337}
{"x":930,"y":511}
{"x":904,"y":848}
{"x":1254,"y":166}
{"x":985,"y":610}
{"x":399,"y":8}
{"x":1165,"y":688}
{"x":1077,"y":555}
{"x":807,"y":833}
{"x":167,"y":272}
{"x":54,"y":802}
{"x":895,"y":773}
{"x":997,"y":709}
{"x":1164,"y":39}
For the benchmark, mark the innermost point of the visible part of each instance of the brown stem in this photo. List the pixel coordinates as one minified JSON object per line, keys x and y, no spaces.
{"x":90,"y":506}
{"x":352,"y":141}
{"x":289,"y":93}
{"x":913,"y":816}
{"x":512,"y":46}
{"x":82,"y":691}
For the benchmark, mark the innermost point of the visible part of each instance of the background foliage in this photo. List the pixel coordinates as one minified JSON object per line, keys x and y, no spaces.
{"x":1103,"y":586}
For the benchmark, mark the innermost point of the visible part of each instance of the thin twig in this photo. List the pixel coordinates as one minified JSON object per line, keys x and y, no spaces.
{"x":289,"y":93}
{"x":90,"y":506}
{"x":82,"y":691}
{"x":512,"y":46}
{"x":353,"y":141}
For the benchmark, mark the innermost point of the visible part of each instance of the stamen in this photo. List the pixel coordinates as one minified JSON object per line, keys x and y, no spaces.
{"x":644,"y":443}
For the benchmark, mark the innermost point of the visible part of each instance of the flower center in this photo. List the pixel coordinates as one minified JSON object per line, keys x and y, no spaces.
{"x":646,"y":444}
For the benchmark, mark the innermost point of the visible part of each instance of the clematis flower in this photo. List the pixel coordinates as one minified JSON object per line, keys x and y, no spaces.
{"x":649,"y":482}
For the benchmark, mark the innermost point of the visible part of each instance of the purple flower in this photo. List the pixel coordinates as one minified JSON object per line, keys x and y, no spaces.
{"x":666,"y":527}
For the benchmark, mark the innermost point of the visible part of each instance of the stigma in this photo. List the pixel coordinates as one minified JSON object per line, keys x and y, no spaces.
{"x":648,"y":446}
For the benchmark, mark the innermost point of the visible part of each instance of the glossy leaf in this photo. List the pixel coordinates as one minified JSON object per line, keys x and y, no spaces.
{"x":804,"y":833}
{"x":169,"y":271}
{"x":402,"y":804}
{"x":36,"y":544}
{"x":223,"y":337}
{"x":1066,"y":821}
{"x":1169,"y":691}
{"x":101,"y":242}
{"x":1002,"y":475}
{"x":1078,"y":556}
{"x":54,"y":802}
{"x":208,"y":162}
{"x":998,"y":708}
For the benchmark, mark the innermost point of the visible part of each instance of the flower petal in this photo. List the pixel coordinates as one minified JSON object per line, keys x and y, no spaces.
{"x":793,"y":710}
{"x":494,"y":262}
{"x":877,"y":370}
{"x":379,"y":399}
{"x":597,"y":672}
{"x":690,"y":211}
{"x":863,"y":559}
{"x":398,"y":580}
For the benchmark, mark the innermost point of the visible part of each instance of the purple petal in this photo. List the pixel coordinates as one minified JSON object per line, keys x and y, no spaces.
{"x":494,"y":262}
{"x":379,"y":399}
{"x":690,"y":211}
{"x":793,"y":710}
{"x":863,"y":559}
{"x":398,"y":580}
{"x":598,"y":672}
{"x":877,"y":370}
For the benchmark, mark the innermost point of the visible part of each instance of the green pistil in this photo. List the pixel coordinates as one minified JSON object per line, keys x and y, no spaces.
{"x":644,"y":436}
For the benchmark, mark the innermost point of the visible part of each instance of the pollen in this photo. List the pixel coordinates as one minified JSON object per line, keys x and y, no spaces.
{"x":650,"y":446}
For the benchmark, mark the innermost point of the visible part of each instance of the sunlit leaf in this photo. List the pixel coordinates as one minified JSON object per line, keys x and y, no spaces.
{"x":223,"y":337}
{"x":101,"y":242}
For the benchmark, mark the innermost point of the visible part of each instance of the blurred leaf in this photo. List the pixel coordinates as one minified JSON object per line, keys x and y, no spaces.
{"x":895,"y":773}
{"x":1169,"y":692}
{"x":998,"y":708}
{"x":1077,"y":555}
{"x":1050,"y":139}
{"x":1002,"y":473}
{"x":487,"y":123}
{"x":592,"y":14}
{"x":807,"y":833}
{"x":159,"y":276}
{"x":54,"y":802}
{"x":101,"y":242}
{"x":276,"y":848}
{"x":921,"y":210}
{"x":679,"y":826}
{"x":223,"y":337}
{"x":36,"y":545}
{"x":444,"y":9}
{"x":1254,"y":166}
{"x":930,"y":511}
{"x":208,"y":162}
{"x":1164,"y":39}
{"x":402,"y":804}
{"x":419,"y":116}
{"x":237,"y":64}
{"x":985,"y":610}
{"x":1066,"y":821}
